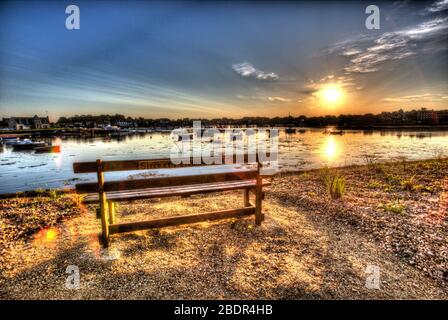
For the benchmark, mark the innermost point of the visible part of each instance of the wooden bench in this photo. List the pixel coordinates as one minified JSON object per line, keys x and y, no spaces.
{"x":106,"y":193}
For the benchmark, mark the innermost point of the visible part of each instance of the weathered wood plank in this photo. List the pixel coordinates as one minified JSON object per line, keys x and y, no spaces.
{"x":84,"y":167}
{"x":167,"y":181}
{"x":246,"y":197}
{"x":180,"y":220}
{"x":146,"y":164}
{"x":111,"y":206}
{"x":173,"y":191}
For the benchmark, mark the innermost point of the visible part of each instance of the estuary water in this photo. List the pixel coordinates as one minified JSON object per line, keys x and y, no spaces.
{"x":305,"y":149}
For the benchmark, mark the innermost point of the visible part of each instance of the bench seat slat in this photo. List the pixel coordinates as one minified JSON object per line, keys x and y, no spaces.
{"x":173,"y":191}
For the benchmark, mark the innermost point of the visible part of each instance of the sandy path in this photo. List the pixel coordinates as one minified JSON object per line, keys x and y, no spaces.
{"x":293,"y":255}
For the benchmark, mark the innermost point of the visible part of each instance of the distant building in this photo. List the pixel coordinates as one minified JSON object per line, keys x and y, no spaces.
{"x":393,"y":117}
{"x":427,"y":116}
{"x":23,"y":123}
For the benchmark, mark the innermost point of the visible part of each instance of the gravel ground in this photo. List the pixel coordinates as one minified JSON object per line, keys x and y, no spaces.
{"x":309,"y":247}
{"x":402,"y":206}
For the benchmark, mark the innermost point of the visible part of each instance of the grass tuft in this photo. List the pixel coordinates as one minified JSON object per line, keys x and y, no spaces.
{"x":408,"y":184}
{"x":334,"y":183}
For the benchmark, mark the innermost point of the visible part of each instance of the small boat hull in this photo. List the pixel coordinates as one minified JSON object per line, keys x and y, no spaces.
{"x":8,"y":141}
{"x":27,"y":146}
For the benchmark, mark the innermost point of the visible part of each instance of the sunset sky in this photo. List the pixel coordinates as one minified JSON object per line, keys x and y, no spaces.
{"x":216,"y":59}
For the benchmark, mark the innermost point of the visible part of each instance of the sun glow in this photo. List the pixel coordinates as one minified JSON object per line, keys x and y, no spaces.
{"x":331,"y":94}
{"x":330,"y":149}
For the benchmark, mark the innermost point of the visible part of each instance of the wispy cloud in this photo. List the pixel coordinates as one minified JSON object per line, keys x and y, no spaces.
{"x":426,"y":29}
{"x":351,"y":52}
{"x":438,"y":6}
{"x":95,"y":90}
{"x":279,"y":99}
{"x":262,"y":98}
{"x":369,"y":56}
{"x":246,"y":69}
{"x":427,"y":97}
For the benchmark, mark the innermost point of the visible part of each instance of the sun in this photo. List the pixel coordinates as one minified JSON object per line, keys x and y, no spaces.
{"x":331,"y":95}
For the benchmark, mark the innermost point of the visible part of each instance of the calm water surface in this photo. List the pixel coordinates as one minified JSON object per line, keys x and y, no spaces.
{"x":26,"y":170}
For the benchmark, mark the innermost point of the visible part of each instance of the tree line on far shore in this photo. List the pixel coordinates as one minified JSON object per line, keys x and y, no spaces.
{"x":413,"y":117}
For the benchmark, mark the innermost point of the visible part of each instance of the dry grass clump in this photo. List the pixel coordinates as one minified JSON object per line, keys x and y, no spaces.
{"x":334,"y":183}
{"x":392,"y":207}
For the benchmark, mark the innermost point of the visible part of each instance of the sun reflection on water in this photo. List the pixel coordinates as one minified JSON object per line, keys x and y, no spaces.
{"x":57,"y":158}
{"x":58,"y":161}
{"x":331,"y":148}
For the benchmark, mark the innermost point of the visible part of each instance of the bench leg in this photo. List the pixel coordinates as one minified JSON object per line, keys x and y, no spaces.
{"x":246,"y":197}
{"x":111,"y":206}
{"x":258,"y":200}
{"x":103,"y":204}
{"x":104,"y":224}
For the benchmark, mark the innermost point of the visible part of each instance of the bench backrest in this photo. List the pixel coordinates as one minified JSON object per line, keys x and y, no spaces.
{"x":107,"y":166}
{"x":146,"y":164}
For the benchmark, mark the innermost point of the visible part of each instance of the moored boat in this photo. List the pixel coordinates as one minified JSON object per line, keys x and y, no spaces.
{"x":340,"y":132}
{"x":331,"y":131}
{"x":9,"y":141}
{"x":27,"y":144}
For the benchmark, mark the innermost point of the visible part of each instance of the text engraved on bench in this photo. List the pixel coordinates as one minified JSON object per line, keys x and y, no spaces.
{"x":148,"y":164}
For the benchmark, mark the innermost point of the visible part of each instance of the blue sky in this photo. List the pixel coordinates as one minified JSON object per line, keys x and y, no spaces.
{"x":215,"y":59}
